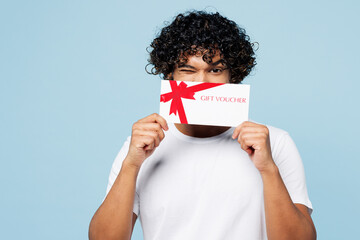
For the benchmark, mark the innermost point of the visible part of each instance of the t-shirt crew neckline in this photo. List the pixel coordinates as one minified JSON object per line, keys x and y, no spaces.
{"x":173,"y":130}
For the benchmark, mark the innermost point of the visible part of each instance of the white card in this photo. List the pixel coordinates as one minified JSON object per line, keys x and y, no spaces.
{"x":204,"y":103}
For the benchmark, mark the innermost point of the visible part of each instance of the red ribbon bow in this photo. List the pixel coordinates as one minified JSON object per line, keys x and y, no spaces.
{"x":183,"y":91}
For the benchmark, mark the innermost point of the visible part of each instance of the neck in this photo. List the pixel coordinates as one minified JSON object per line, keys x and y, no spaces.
{"x":200,"y":131}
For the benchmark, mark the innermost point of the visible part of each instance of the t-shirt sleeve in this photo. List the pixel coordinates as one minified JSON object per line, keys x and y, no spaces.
{"x":288,"y":160}
{"x":115,"y":169}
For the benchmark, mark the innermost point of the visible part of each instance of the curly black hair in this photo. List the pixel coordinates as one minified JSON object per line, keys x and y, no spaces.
{"x":199,"y":31}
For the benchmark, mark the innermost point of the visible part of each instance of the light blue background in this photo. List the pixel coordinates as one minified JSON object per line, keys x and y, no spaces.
{"x":73,"y":82}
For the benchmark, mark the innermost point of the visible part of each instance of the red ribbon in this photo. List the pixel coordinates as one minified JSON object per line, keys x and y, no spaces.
{"x":183,"y":91}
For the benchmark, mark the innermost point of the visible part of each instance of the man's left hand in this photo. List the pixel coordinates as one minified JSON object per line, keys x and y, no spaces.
{"x":254,"y":139}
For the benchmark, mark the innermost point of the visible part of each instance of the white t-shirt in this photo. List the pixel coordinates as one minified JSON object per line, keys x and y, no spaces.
{"x":208,"y":188}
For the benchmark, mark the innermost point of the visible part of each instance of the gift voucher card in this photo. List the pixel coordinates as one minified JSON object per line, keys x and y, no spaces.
{"x":217,"y":104}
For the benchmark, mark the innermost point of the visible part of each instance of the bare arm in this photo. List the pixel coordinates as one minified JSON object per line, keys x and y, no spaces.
{"x":284,"y":219}
{"x":115,"y":218}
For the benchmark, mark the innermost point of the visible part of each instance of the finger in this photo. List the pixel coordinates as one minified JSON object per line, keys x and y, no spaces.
{"x":245,"y":146}
{"x":149,"y":147}
{"x":249,"y":124}
{"x":242,"y":143}
{"x":245,"y":139}
{"x":254,"y":141}
{"x":156,"y":127}
{"x":144,"y":133}
{"x":156,"y":118}
{"x":252,"y":129}
{"x":148,"y":142}
{"x":141,"y":141}
{"x":249,"y":127}
{"x":236,"y":132}
{"x":251,"y":135}
{"x":249,"y":150}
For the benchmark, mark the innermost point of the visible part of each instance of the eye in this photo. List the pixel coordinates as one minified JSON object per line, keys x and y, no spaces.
{"x":186,"y":70}
{"x":216,"y":70}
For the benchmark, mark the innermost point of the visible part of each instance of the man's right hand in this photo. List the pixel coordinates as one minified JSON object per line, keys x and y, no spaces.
{"x":147,"y":133}
{"x":115,"y":217}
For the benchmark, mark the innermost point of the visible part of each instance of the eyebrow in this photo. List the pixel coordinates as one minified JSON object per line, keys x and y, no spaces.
{"x":186,"y":66}
{"x":217,"y":62}
{"x":192,"y":67}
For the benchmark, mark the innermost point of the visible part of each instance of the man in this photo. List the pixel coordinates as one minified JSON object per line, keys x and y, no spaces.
{"x":205,"y":182}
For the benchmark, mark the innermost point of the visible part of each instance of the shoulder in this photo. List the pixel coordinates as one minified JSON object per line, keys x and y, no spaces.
{"x":276,"y":134}
{"x":280,"y":141}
